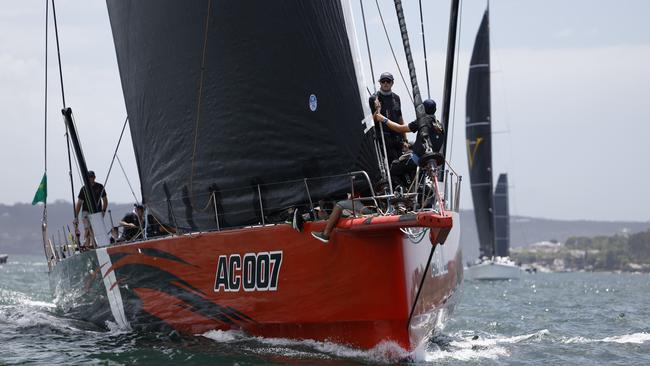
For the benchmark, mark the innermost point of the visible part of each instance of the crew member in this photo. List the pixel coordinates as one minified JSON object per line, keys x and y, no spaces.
{"x":389,"y":105}
{"x":133,"y":223}
{"x":99,"y":192}
{"x":435,"y":127}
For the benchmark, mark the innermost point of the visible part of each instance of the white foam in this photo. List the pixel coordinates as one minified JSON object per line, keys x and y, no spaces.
{"x":635,"y":338}
{"x":115,"y":329}
{"x":467,"y":349}
{"x":385,"y":352}
{"x":224,"y":336}
{"x":19,"y":298}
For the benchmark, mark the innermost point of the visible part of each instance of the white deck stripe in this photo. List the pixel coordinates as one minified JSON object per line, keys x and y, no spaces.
{"x":478,"y":65}
{"x":480,"y":184}
{"x":112,"y":292}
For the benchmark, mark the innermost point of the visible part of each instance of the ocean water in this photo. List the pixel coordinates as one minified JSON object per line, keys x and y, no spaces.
{"x":542,"y":319}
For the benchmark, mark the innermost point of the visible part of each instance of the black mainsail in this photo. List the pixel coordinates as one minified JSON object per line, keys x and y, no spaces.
{"x":478,"y":129}
{"x":501,"y":217}
{"x":240,"y":100}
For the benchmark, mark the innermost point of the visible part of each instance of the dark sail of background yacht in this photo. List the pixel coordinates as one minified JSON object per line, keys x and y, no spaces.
{"x":501,"y":217}
{"x":479,"y":138}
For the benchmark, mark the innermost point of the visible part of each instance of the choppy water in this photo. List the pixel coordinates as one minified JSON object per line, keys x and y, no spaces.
{"x":543,"y":319}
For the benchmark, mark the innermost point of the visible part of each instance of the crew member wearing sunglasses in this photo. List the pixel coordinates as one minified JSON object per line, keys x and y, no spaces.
{"x":389,"y":105}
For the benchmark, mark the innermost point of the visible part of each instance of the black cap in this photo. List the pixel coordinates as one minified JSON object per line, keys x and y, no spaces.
{"x":91,"y":174}
{"x":429,"y":106}
{"x":137,"y":205}
{"x":386,"y":75}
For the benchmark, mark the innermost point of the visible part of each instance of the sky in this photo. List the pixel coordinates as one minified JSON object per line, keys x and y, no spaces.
{"x":570,"y":82}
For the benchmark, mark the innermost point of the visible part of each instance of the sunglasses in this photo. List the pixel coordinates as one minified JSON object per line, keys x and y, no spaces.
{"x":386,"y":81}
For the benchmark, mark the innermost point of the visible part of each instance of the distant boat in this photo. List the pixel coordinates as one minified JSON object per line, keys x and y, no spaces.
{"x":3,"y":258}
{"x":490,"y":207}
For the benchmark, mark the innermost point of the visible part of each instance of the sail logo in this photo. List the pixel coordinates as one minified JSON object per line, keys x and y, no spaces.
{"x":250,"y":272}
{"x":313,"y":103}
{"x":471,"y":150}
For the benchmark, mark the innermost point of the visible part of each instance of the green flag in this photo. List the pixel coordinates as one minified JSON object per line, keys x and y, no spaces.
{"x":41,"y":192}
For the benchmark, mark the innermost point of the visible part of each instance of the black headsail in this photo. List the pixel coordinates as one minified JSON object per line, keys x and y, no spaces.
{"x":226,"y":96}
{"x":501,"y":217}
{"x":479,"y":137}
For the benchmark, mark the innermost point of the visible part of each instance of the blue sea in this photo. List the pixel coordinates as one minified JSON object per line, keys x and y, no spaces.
{"x":542,"y":319}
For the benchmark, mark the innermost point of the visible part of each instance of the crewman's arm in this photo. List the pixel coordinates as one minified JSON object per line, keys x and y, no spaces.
{"x":400,"y":128}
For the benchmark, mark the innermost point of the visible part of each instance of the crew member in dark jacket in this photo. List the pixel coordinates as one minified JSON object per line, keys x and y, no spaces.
{"x":389,"y":105}
{"x":133,"y":224}
{"x":82,"y":202}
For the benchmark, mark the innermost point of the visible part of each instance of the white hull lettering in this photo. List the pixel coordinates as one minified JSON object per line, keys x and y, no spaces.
{"x":250,"y":272}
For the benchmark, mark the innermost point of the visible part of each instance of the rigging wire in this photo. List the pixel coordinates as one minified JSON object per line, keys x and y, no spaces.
{"x":453,"y":115}
{"x":44,"y":219}
{"x":365,"y":31}
{"x":58,"y":51}
{"x":198,"y":105}
{"x":381,"y":17}
{"x":127,"y":179}
{"x":67,"y":136}
{"x":119,"y":141}
{"x":47,"y":13}
{"x":424,"y":47}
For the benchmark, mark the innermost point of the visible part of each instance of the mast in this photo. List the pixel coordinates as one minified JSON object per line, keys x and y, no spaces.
{"x":423,"y":129}
{"x":92,"y":204}
{"x":449,"y":72}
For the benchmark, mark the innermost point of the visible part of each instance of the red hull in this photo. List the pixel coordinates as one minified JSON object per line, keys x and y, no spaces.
{"x":355,"y":290}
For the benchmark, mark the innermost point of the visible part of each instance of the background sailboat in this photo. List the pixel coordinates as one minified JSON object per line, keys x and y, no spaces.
{"x":490,"y":207}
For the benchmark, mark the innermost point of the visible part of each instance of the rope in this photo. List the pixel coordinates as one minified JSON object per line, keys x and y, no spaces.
{"x":381,"y":17}
{"x":162,"y":225}
{"x":424,"y":47}
{"x":198,"y":104}
{"x":119,"y":141}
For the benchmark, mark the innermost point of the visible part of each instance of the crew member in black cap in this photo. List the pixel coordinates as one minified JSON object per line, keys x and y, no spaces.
{"x":133,"y":224}
{"x":82,"y":201}
{"x":389,"y":105}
